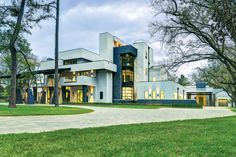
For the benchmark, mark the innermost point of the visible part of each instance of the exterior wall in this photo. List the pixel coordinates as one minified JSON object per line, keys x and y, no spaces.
{"x":79,"y":53}
{"x":143,"y":62}
{"x":106,"y":64}
{"x":80,"y":80}
{"x":157,"y":74}
{"x":104,"y":84}
{"x":96,"y":65}
{"x":168,"y":87}
{"x":106,"y":44}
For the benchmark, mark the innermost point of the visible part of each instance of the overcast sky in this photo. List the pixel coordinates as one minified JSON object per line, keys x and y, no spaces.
{"x":81,"y":21}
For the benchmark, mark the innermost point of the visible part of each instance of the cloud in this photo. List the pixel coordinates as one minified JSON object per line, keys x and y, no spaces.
{"x":82,"y":21}
{"x":81,"y":24}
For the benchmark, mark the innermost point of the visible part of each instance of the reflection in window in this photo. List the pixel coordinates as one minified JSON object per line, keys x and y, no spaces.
{"x":127,"y":60}
{"x":117,"y":44}
{"x":127,"y":93}
{"x":127,"y":76}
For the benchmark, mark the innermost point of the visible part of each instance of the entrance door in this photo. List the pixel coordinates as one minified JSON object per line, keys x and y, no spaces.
{"x":50,"y":94}
{"x":80,"y":95}
{"x":200,"y":101}
{"x":67,"y":95}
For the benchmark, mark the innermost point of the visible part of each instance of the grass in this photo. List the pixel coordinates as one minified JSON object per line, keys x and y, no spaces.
{"x":32,"y":110}
{"x":233,"y":109}
{"x":190,"y":138}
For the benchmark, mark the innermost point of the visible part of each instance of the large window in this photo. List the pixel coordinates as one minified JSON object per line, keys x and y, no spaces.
{"x":127,"y":61}
{"x":127,"y":93}
{"x":70,"y":61}
{"x":72,"y":76}
{"x":91,"y":73}
{"x":127,"y":76}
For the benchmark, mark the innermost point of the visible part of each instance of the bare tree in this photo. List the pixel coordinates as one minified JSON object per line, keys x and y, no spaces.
{"x":197,"y":30}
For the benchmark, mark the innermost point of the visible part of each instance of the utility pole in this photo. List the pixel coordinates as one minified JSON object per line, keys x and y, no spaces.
{"x":56,"y":77}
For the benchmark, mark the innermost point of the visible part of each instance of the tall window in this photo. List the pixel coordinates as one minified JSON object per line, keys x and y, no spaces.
{"x":146,"y":94}
{"x":127,"y":93}
{"x":154,"y":94}
{"x":127,"y":61}
{"x":127,"y":76}
{"x":162,"y":95}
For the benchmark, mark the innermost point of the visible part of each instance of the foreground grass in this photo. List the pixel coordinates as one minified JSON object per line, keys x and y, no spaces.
{"x":233,"y":109}
{"x":211,"y":137}
{"x":29,"y":110}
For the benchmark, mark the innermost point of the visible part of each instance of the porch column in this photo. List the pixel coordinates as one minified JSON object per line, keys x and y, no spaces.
{"x":85,"y":93}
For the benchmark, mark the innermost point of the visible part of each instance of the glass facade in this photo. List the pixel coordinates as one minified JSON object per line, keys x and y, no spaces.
{"x":72,"y":76}
{"x":127,"y":93}
{"x":127,"y":77}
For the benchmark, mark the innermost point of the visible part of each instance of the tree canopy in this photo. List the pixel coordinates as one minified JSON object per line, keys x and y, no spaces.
{"x":197,"y":30}
{"x":18,"y":17}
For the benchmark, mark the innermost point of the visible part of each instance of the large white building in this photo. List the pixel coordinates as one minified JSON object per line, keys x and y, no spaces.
{"x":118,"y":72}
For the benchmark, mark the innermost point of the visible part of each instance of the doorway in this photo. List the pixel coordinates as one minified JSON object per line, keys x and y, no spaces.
{"x":67,"y":94}
{"x":80,"y":95}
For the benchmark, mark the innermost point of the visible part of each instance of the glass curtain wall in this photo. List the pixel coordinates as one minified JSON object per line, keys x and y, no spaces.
{"x":127,"y":77}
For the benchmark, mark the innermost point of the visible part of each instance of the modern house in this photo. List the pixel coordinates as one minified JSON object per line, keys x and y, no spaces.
{"x":207,"y":96}
{"x":119,"y":72}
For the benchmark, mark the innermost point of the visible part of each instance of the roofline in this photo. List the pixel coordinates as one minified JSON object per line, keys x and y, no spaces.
{"x":79,"y":49}
{"x":113,"y":36}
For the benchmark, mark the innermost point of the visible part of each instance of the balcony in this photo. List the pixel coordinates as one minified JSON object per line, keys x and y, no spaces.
{"x":78,"y":80}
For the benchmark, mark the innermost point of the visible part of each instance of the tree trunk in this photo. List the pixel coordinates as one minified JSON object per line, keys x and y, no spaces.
{"x":12,"y":99}
{"x":233,"y":101}
{"x":56,"y":77}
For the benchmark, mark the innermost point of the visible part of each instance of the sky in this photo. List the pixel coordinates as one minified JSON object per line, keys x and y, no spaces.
{"x":81,"y":21}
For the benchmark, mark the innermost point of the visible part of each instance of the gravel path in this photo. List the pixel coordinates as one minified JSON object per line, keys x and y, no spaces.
{"x":103,"y":116}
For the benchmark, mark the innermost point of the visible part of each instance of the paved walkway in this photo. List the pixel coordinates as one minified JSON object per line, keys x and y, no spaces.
{"x":105,"y":117}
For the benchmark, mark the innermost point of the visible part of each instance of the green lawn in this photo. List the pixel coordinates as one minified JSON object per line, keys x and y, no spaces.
{"x":190,"y":138}
{"x":233,"y":109}
{"x":28,"y":110}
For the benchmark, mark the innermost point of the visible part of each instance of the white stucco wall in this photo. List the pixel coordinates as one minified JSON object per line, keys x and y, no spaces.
{"x":168,"y":87}
{"x":106,"y":45}
{"x":104,"y":84}
{"x":157,"y":74}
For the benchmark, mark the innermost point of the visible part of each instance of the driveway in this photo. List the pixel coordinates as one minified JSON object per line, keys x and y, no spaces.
{"x":103,"y":116}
